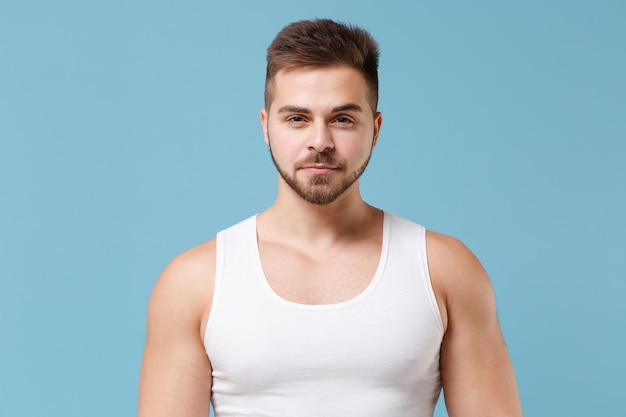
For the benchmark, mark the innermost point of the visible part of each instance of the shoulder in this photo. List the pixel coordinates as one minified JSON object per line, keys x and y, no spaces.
{"x":449,"y":257}
{"x":192,"y":263}
{"x":190,"y":268}
{"x":185,"y":287}
{"x":476,"y":371}
{"x":176,"y":371}
{"x":459,"y":280}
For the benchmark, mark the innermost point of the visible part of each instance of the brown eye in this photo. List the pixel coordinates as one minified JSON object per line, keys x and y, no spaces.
{"x":343,"y":120}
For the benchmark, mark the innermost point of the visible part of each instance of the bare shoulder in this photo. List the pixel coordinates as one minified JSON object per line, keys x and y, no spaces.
{"x":192,"y":266}
{"x":476,"y":371}
{"x":459,"y":279}
{"x":450,"y":257}
{"x":185,"y":287}
{"x":176,"y":372}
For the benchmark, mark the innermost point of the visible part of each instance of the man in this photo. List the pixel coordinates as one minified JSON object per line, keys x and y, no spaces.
{"x":324,"y":305}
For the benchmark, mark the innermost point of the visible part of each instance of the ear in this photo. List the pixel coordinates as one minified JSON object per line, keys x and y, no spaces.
{"x":263,"y":117}
{"x":378,"y":122}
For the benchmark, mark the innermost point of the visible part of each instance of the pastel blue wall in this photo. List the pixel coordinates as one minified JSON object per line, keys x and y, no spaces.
{"x":129,"y":132}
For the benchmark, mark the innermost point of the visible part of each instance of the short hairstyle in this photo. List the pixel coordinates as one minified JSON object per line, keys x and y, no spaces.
{"x":323,"y":42}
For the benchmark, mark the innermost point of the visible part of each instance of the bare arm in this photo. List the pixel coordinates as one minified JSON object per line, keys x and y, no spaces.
{"x":176,"y":372}
{"x":477,"y":375}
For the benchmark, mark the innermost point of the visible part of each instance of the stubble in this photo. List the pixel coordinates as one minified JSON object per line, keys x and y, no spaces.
{"x":319,"y":189}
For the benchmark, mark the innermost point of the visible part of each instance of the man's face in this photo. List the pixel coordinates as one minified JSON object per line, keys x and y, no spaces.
{"x":320,"y":129}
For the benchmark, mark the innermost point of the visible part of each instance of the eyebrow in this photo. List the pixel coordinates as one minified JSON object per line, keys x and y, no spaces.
{"x":348,"y":107}
{"x":294,"y":109}
{"x":304,"y":110}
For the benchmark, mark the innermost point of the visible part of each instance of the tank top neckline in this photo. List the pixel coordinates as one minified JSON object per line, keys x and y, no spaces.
{"x":269,"y":291}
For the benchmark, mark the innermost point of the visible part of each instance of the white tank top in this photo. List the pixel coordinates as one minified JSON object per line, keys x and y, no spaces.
{"x":376,"y":354}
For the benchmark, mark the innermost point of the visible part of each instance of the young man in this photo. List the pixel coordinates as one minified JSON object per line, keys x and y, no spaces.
{"x":323,"y":305}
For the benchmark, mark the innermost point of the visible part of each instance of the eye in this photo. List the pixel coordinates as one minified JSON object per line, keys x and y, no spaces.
{"x":296,"y":119}
{"x":344,"y":120}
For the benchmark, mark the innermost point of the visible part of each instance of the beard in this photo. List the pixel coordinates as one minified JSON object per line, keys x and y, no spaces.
{"x":319,"y":189}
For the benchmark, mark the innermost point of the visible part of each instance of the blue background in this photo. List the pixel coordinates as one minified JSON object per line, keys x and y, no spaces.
{"x":129,"y":132}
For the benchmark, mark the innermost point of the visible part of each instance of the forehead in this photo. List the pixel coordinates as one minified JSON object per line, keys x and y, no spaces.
{"x":319,"y":87}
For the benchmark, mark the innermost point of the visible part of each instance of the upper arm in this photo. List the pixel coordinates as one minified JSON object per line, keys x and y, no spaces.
{"x":176,"y":372}
{"x":477,"y":374}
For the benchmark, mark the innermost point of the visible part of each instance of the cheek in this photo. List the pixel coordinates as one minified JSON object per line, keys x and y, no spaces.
{"x":282,"y":148}
{"x":360,"y":149}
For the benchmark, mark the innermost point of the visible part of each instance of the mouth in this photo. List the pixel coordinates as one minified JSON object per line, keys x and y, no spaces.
{"x":319,"y":169}
{"x":320,"y":164}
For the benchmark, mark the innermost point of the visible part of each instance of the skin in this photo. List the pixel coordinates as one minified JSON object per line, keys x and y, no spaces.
{"x":324,"y":111}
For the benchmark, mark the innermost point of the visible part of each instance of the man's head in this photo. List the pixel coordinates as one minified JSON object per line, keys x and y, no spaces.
{"x":322,"y":43}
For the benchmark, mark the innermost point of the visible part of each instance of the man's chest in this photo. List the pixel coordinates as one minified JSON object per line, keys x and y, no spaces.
{"x":334,"y":277}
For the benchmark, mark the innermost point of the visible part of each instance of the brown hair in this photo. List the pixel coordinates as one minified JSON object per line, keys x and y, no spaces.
{"x":323,"y":42}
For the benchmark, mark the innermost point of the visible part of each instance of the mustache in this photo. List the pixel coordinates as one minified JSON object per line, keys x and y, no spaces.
{"x":320,"y":158}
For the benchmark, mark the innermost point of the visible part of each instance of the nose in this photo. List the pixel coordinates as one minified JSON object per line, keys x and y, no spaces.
{"x":321,"y":139}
